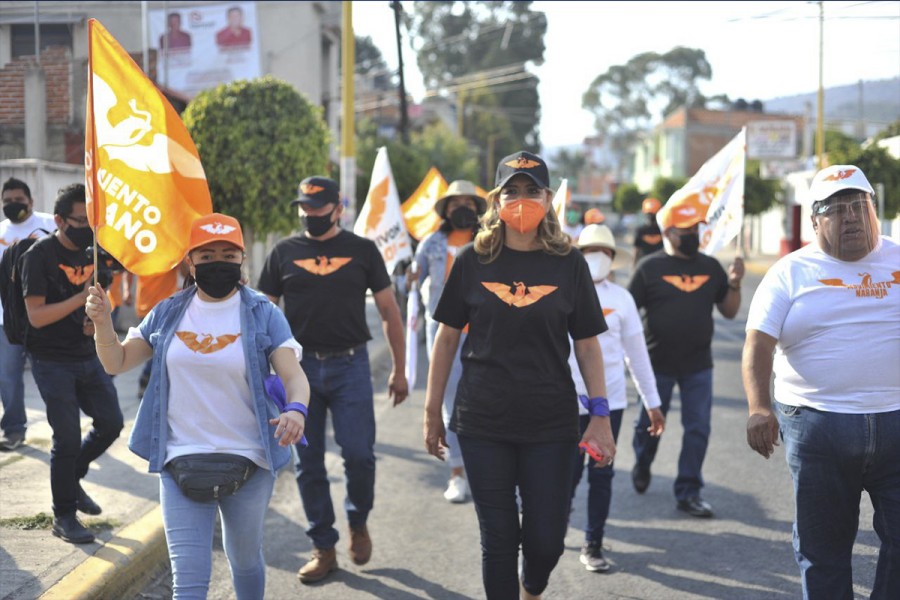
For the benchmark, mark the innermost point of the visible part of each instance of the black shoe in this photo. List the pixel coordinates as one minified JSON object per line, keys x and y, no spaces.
{"x":640,"y":478}
{"x":70,"y":529}
{"x":86,"y":504}
{"x":592,"y":558}
{"x":696,"y":507}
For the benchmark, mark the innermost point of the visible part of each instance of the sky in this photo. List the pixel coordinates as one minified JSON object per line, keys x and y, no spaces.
{"x":757,"y":50}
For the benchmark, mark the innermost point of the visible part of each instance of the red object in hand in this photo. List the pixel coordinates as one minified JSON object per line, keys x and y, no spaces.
{"x":597,"y":456}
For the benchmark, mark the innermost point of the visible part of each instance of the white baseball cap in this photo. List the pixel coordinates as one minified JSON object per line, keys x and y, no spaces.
{"x":836,"y":178}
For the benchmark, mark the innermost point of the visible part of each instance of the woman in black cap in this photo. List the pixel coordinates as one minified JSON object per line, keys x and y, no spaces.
{"x":522,"y":292}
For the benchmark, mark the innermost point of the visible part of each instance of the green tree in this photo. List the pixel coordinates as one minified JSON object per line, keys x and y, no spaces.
{"x":370,"y":62}
{"x":627,"y":199}
{"x":257,"y":139}
{"x":890,"y":131}
{"x":442,"y":148}
{"x":664,"y":187}
{"x":759,"y":194}
{"x":879,"y":167}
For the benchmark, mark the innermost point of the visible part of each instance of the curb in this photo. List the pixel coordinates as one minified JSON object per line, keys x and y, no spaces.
{"x":121,"y":567}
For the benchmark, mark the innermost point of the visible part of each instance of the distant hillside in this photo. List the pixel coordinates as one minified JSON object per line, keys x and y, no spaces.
{"x":880,"y":99}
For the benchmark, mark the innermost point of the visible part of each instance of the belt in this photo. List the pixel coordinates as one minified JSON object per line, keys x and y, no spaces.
{"x":335,"y":353}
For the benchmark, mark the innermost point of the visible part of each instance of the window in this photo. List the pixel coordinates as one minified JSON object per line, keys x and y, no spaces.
{"x":51,"y":35}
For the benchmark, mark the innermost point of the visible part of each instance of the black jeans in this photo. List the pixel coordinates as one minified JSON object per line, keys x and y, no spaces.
{"x":68,"y":388}
{"x":542,"y":472}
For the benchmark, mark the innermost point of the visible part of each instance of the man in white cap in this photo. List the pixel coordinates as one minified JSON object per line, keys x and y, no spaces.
{"x":830,"y":315}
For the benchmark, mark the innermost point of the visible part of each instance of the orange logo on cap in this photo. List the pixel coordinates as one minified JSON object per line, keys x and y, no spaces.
{"x":77,"y":275}
{"x":866,"y":288}
{"x":686,"y":283}
{"x":841,"y":174}
{"x":206,"y":344}
{"x":520,"y":297}
{"x":522,"y":163}
{"x":310,"y":189}
{"x":217,"y":228}
{"x":322,"y":265}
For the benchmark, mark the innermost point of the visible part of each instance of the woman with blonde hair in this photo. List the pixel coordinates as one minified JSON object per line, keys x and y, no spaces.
{"x":522,"y":292}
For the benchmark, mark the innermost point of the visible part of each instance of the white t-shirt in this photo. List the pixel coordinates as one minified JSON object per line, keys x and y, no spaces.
{"x":210,"y":406}
{"x":838,"y":329}
{"x":622,"y":344}
{"x":11,"y":232}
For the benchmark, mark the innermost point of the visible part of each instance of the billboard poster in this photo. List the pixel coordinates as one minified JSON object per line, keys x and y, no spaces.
{"x":199,"y":47}
{"x":775,"y":139}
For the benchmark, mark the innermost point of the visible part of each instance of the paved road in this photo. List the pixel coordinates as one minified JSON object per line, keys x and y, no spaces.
{"x":428,"y":549}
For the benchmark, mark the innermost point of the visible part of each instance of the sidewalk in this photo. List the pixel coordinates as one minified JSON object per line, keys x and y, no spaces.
{"x":130,"y":547}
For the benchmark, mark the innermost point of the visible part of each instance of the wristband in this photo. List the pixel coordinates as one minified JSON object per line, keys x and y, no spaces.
{"x":597,"y":407}
{"x":296,"y":407}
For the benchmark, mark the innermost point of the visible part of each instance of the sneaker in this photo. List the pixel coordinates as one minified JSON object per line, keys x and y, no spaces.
{"x":360,"y":545}
{"x":457,"y":490}
{"x":11,"y":441}
{"x":592,"y":558}
{"x":69,"y":528}
{"x":323,"y":562}
{"x":696,"y":507}
{"x":86,"y":504}
{"x":640,"y":478}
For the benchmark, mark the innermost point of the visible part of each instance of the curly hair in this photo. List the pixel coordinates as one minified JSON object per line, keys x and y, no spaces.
{"x":490,"y":239}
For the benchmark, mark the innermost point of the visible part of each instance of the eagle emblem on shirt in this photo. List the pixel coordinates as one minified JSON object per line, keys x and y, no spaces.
{"x":518,"y":294}
{"x":322,"y":265}
{"x":686,"y":283}
{"x":77,"y":275}
{"x":206,"y":343}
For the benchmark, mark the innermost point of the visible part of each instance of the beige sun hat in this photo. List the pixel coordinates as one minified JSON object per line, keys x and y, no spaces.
{"x":601,"y":236}
{"x":461,"y":187}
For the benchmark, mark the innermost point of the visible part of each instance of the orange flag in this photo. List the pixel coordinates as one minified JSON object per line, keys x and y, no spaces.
{"x":418,"y":210}
{"x":145,"y":184}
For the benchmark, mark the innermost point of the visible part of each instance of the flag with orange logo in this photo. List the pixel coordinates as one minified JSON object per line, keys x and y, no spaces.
{"x":719,"y":187}
{"x":418,"y":210}
{"x":381,"y":219}
{"x":561,"y":201}
{"x":144,"y":181}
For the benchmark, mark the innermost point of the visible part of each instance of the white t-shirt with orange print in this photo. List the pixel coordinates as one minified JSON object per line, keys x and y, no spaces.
{"x":838,"y":329}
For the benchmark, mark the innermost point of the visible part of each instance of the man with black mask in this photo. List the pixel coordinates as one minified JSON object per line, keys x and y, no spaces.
{"x":324,"y":274}
{"x":459,"y":209}
{"x":675,"y":290}
{"x":56,"y":273}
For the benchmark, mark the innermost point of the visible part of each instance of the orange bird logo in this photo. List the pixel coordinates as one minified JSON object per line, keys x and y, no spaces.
{"x":652,"y":238}
{"x":866,"y":288}
{"x":686,"y":283}
{"x":841,"y":174}
{"x":608,"y":311}
{"x":77,"y":275}
{"x":205,"y":343}
{"x":377,"y":204}
{"x":310,"y":189}
{"x":322,"y":265}
{"x":522,"y":163}
{"x":520,"y":297}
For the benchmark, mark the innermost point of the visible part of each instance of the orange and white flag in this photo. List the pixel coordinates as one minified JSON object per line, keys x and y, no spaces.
{"x":380,"y":219}
{"x":418,"y":210}
{"x":145,"y":184}
{"x":561,"y":201}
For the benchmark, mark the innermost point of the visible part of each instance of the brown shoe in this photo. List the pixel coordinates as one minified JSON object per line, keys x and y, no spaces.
{"x":323,"y":562}
{"x":360,"y":545}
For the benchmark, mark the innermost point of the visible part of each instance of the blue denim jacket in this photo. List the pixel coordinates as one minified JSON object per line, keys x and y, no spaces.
{"x":264,"y":328}
{"x":431,"y":256}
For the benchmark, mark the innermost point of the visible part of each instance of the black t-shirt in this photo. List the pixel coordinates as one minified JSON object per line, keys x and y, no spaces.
{"x":647,"y":239}
{"x":676,"y":297}
{"x":521,"y":308}
{"x":56,"y":273}
{"x":324,"y":286}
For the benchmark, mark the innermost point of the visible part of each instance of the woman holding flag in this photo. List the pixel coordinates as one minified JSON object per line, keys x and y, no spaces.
{"x":208,"y":422}
{"x":522,"y":292}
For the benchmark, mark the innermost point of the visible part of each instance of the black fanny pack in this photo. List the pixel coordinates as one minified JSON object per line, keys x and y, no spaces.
{"x":205,"y":477}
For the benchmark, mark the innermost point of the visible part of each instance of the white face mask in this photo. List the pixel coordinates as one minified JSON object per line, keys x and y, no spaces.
{"x":599,"y":264}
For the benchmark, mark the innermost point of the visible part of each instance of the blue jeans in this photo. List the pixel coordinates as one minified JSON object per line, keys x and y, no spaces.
{"x":342,"y":385}
{"x":599,"y":482}
{"x":696,"y":412}
{"x":12,"y":386}
{"x":833,"y":457}
{"x":543,"y":475}
{"x":454,"y":456}
{"x":189,"y":529}
{"x":65,"y":388}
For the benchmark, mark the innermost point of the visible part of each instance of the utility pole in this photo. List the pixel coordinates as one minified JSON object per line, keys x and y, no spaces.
{"x":404,"y":118}
{"x":348,"y":140}
{"x":820,"y":118}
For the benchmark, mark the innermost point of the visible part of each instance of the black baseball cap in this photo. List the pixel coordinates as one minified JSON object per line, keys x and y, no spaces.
{"x":316,"y":192}
{"x":526,"y":163}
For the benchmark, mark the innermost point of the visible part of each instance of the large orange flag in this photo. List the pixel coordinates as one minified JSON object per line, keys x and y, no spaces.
{"x":145,"y":184}
{"x":418,"y":210}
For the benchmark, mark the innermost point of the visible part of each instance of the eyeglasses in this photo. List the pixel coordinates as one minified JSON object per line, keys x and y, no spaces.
{"x":78,"y":221}
{"x":842,"y":206}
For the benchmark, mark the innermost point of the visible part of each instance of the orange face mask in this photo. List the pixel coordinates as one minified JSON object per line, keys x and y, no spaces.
{"x":523,"y":215}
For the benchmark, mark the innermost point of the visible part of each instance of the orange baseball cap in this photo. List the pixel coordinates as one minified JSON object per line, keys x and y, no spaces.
{"x":650,"y":206}
{"x":216,"y":227}
{"x":594,"y":216}
{"x":682,"y":211}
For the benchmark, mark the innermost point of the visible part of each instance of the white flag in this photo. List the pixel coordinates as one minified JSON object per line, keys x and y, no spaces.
{"x":719,"y":185}
{"x":412,"y":335}
{"x":380,"y":219}
{"x":561,"y":200}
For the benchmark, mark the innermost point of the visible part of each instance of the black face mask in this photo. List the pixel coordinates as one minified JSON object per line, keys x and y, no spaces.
{"x":15,"y":211}
{"x":217,"y":279}
{"x":689,"y":244}
{"x":317,"y":226}
{"x":82,"y":237}
{"x":463,"y":218}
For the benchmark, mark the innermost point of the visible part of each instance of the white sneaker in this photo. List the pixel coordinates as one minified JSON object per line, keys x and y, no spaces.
{"x":457,"y":490}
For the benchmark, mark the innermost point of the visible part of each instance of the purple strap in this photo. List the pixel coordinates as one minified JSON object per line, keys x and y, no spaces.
{"x":275,"y":390}
{"x":597,"y":407}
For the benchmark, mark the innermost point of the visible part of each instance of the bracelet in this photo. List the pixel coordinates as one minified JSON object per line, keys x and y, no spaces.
{"x":99,"y":345}
{"x":597,"y":407}
{"x":296,"y":407}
